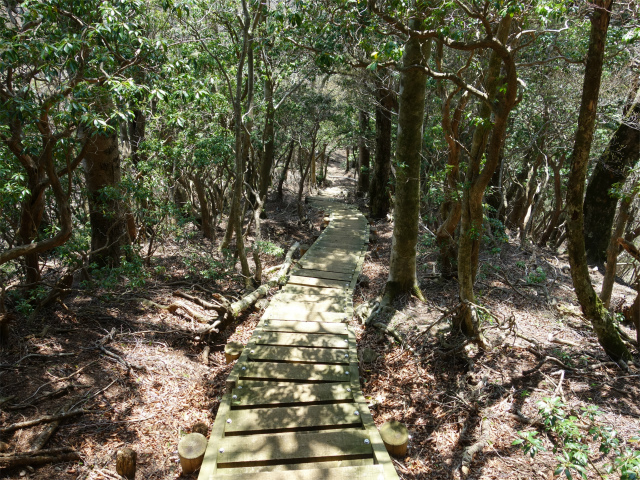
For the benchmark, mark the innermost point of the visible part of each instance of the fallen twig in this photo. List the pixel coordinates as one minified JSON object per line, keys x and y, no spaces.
{"x":38,"y":457}
{"x":44,"y":419}
{"x":542,"y":362}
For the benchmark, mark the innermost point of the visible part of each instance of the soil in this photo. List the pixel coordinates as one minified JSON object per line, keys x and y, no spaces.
{"x":139,"y":371}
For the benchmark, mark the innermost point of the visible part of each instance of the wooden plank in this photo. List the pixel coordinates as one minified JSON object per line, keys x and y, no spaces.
{"x":325,"y":264}
{"x":302,"y":340}
{"x":292,"y":394}
{"x":323,"y":274}
{"x":294,"y":326}
{"x":326,"y":305}
{"x":306,"y":316}
{"x":299,"y":355}
{"x":209,"y":463}
{"x":291,"y":289}
{"x":294,"y":447}
{"x":322,"y":472}
{"x":286,"y":467}
{"x":308,"y":417}
{"x":317,"y":282}
{"x":340,"y":299}
{"x":295,"y":371}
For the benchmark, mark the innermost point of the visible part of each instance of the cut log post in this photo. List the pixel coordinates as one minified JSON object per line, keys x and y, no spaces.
{"x":395,"y":437}
{"x":232,"y":351}
{"x":126,"y":463}
{"x":191,"y":450}
{"x":303,"y":249}
{"x":325,"y":222}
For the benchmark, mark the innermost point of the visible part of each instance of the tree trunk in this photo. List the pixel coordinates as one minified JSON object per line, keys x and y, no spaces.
{"x":614,"y":246}
{"x":592,"y":307}
{"x":364,"y":156}
{"x":451,"y":208}
{"x":268,"y":141}
{"x":346,"y":170}
{"x":478,"y":178}
{"x":205,"y":216}
{"x":406,"y":214}
{"x":557,"y":209}
{"x":285,"y":169}
{"x":32,"y":210}
{"x":305,"y":171}
{"x":379,"y":200}
{"x":103,"y":176}
{"x":612,"y":168}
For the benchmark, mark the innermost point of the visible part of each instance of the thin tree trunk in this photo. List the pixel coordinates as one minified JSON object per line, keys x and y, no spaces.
{"x":205,"y":216}
{"x":557,"y":210}
{"x":364,"y":156}
{"x":592,"y":307}
{"x":285,"y":169}
{"x":614,"y":246}
{"x":379,"y":200}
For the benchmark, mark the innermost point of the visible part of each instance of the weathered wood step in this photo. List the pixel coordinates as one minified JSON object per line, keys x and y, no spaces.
{"x":326,"y":305}
{"x":324,"y":274}
{"x":291,"y":289}
{"x":305,"y":316}
{"x":282,"y":419}
{"x":358,"y":472}
{"x":338,"y":298}
{"x":295,"y":372}
{"x":291,"y":394}
{"x":252,"y":472}
{"x":295,"y":326}
{"x":299,"y":355}
{"x":324,"y":264}
{"x":238,"y":451}
{"x":317,"y":282}
{"x":303,"y":340}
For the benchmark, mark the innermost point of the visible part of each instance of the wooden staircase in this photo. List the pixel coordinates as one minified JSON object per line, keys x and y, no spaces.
{"x":293,"y":407}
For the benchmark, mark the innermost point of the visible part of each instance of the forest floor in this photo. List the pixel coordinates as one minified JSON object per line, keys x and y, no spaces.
{"x":449,"y":394}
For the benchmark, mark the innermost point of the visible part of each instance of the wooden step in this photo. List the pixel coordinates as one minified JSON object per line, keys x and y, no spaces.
{"x":317,"y":282}
{"x":358,"y":472}
{"x":302,"y":340}
{"x":298,"y":354}
{"x":306,"y":316}
{"x":324,"y":274}
{"x":311,"y":417}
{"x":295,"y":326}
{"x":291,"y":394}
{"x":236,"y":451}
{"x":288,"y":467}
{"x":295,"y":372}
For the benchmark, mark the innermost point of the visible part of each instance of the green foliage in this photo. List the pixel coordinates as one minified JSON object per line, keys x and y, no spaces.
{"x":537,"y":276}
{"x":574,"y":432}
{"x":131,"y":273}
{"x":269,"y":248}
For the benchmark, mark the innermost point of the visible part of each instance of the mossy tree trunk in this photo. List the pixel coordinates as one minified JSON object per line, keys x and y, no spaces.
{"x":612,"y":168}
{"x":592,"y":307}
{"x":406,"y":214}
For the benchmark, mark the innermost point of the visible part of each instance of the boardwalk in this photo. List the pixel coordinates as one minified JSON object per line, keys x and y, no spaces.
{"x":293,"y":407}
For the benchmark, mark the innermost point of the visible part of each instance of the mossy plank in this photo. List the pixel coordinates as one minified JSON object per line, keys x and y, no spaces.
{"x":295,"y":372}
{"x":303,"y":340}
{"x":299,"y":355}
{"x":294,"y":326}
{"x":323,"y":472}
{"x":291,"y":394}
{"x":292,"y":418}
{"x":294,"y":447}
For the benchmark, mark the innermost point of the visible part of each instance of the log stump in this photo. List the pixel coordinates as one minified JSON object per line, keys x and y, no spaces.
{"x":191,"y":450}
{"x":126,"y":463}
{"x":232,"y":351}
{"x":303,"y":249}
{"x":395,"y":437}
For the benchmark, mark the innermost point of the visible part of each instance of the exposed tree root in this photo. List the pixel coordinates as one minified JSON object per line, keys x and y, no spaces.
{"x":471,"y":451}
{"x":38,"y":457}
{"x":44,"y":419}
